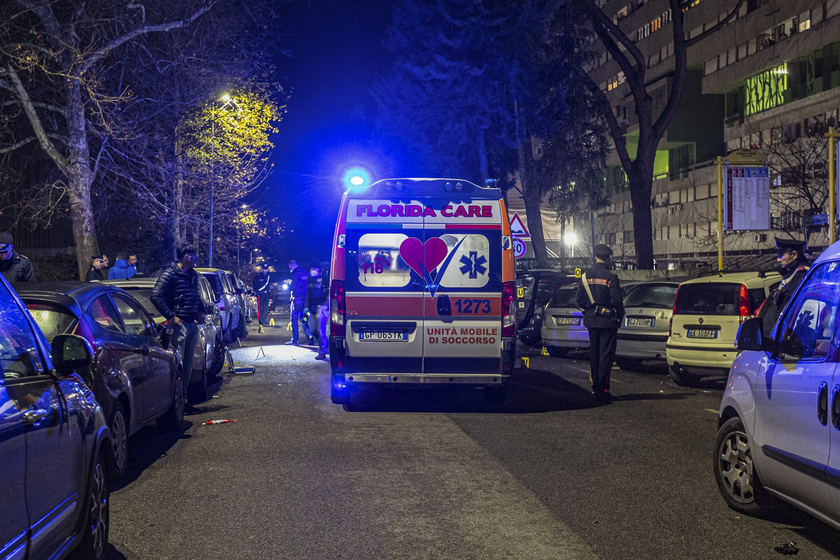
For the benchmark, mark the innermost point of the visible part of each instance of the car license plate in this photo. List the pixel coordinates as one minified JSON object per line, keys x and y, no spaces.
{"x":639,"y":322}
{"x":567,"y":320}
{"x":702,"y":333}
{"x":383,"y":335}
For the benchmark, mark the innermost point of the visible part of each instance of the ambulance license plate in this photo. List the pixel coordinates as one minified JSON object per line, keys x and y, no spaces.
{"x":383,"y":335}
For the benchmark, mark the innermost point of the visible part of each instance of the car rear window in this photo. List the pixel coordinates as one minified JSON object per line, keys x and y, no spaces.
{"x":52,"y":318}
{"x":142,"y":295}
{"x":216,"y":282}
{"x":565,"y":297}
{"x":708,"y":299}
{"x":657,"y":296}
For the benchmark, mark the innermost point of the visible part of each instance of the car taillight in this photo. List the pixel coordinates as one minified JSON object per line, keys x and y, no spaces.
{"x":673,"y":311}
{"x":337,"y":308}
{"x":744,"y":304}
{"x":508,"y":313}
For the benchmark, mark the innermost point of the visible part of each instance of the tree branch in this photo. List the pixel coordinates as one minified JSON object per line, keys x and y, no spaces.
{"x":143,"y":30}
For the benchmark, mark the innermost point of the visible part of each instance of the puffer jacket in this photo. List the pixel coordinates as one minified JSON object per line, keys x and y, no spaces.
{"x":176,"y":293}
{"x":121,"y":270}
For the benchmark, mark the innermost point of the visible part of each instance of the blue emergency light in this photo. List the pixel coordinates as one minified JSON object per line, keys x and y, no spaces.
{"x":357,"y":177}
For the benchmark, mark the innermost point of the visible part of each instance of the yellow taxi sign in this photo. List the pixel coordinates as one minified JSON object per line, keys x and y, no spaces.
{"x":578,"y":272}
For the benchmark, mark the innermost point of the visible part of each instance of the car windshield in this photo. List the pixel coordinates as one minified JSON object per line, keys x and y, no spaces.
{"x":142,"y":295}
{"x":52,"y":318}
{"x":656,"y":295}
{"x":564,"y":298}
{"x":708,"y":299}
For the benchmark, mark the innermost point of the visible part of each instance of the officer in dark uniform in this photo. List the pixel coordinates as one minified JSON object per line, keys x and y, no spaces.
{"x":603,"y":311}
{"x":792,"y":267}
{"x":14,"y":266}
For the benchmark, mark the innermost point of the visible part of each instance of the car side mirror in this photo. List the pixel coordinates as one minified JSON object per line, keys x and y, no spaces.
{"x":751,"y":337}
{"x":71,"y":353}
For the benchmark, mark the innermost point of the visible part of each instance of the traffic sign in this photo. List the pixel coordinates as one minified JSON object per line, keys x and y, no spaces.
{"x":519,"y":248}
{"x":517,"y":227}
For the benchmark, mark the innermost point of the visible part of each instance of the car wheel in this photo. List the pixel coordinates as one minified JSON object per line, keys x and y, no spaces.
{"x":218,"y":357}
{"x":119,"y":438}
{"x":198,"y":391}
{"x":173,"y":417}
{"x":683,"y":378}
{"x":556,"y":351}
{"x":95,"y":532}
{"x":735,"y":471}
{"x":628,"y":364}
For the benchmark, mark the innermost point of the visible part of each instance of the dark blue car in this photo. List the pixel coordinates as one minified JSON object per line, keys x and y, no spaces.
{"x":55,"y":448}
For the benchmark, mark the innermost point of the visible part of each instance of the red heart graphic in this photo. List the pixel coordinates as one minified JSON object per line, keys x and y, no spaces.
{"x":423,"y":259}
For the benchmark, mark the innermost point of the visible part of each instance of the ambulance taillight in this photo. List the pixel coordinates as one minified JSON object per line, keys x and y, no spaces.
{"x":508,"y":312}
{"x":337,"y":306}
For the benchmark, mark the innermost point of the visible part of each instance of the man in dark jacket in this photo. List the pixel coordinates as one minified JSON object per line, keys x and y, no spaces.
{"x":177,"y":298}
{"x":95,"y":271}
{"x":599,"y":295}
{"x":262,"y":286}
{"x":792,"y":267}
{"x":298,"y":288}
{"x":14,"y":266}
{"x":317,"y":293}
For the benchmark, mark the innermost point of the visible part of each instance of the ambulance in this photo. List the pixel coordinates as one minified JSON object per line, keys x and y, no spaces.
{"x":422,"y":289}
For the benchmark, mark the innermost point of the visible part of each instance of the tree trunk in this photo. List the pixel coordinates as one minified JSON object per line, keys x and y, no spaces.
{"x":641,"y":188}
{"x":79,"y":179}
{"x":533,"y":200}
{"x":484,"y":167}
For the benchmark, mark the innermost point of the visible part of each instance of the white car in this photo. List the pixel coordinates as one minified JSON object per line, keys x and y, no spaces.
{"x":779,"y":418}
{"x":706,"y":316}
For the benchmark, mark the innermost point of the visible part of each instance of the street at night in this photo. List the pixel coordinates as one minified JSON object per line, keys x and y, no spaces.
{"x":430,"y":474}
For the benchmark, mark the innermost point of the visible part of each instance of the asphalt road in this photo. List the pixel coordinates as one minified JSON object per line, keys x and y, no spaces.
{"x":431,"y":475}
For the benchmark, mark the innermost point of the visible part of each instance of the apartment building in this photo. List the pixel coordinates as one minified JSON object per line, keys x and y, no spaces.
{"x":768,"y":80}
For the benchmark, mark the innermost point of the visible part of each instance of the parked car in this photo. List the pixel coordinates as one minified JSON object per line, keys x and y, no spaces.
{"x":210,"y":350}
{"x":647,"y":321}
{"x":706,"y":316}
{"x":134,"y":375}
{"x":779,"y":421}
{"x":562,"y":323}
{"x":533,"y":290}
{"x":54,"y":443}
{"x":227,"y":301}
{"x":244,"y":304}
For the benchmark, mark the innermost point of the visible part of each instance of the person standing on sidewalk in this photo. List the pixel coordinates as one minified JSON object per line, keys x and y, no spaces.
{"x":177,"y":298}
{"x":299,"y":283}
{"x":599,"y":295}
{"x":316,"y":299}
{"x":262,"y":287}
{"x":14,"y":266}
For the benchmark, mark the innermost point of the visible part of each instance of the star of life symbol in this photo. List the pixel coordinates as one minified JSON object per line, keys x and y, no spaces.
{"x":473,"y":265}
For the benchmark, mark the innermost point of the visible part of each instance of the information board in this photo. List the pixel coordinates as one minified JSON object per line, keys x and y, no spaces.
{"x":746,"y":199}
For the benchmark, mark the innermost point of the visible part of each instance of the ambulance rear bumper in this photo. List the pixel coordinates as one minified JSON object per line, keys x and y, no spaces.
{"x":427,"y":379}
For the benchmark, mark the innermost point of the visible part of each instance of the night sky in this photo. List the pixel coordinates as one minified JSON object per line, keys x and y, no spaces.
{"x":335,"y":49}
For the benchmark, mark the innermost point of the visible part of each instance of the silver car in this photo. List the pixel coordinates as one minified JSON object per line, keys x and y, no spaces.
{"x":562,"y":323}
{"x":642,"y":336}
{"x":227,"y":302}
{"x":779,"y":423}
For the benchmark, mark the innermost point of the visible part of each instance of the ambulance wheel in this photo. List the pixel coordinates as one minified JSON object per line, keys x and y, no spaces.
{"x":556,"y":351}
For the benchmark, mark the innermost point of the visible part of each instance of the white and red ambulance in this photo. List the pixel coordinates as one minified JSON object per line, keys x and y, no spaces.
{"x":422,"y":288}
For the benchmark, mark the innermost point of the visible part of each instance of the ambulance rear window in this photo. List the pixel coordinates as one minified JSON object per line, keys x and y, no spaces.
{"x":379,"y":265}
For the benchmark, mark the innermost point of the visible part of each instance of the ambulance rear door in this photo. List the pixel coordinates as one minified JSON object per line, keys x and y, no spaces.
{"x":384,"y":300}
{"x":463,"y":300}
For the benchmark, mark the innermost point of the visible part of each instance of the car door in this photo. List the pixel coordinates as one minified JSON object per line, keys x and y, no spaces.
{"x":32,"y":407}
{"x":792,"y":421}
{"x":462,"y":262}
{"x":157,"y":378}
{"x":123,"y":347}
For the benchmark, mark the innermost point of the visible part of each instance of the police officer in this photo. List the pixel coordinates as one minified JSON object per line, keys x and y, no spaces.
{"x":14,"y":266}
{"x":262,"y":285}
{"x":599,"y":295}
{"x":792,"y":267}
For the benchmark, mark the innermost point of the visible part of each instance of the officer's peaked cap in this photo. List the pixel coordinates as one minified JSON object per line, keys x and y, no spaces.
{"x":603,"y":252}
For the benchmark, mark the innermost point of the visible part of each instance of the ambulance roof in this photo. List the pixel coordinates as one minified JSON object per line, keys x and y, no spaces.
{"x":423,"y":187}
